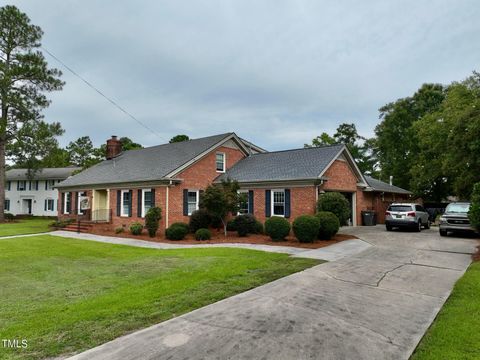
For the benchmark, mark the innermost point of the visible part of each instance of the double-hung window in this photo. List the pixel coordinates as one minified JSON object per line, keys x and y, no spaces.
{"x":67,"y":201}
{"x":7,"y":205}
{"x":49,"y":204}
{"x":147,"y":201}
{"x":220,"y":162}
{"x":126,"y":203}
{"x":81,"y":196}
{"x":243,"y":208}
{"x":278,"y":202}
{"x":192,"y":200}
{"x":22,"y":185}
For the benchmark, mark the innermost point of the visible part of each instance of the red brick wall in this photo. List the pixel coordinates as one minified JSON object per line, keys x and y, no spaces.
{"x":340,"y":177}
{"x":302,"y":200}
{"x":198,"y":177}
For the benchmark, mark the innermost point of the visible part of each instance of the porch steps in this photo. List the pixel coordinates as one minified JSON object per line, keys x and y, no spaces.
{"x":83,"y":227}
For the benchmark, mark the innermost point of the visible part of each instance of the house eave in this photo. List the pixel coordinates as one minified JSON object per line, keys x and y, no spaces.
{"x":121,"y":185}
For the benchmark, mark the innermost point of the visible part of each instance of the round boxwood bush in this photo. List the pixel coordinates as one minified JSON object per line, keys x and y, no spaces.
{"x":305,"y":228}
{"x":258,"y":227}
{"x":277,"y":228}
{"x":203,"y":234}
{"x":329,"y":225}
{"x":183,"y":225}
{"x":335,"y":203}
{"x":177,"y":231}
{"x":245,"y":224}
{"x":136,"y":228}
{"x":199,"y":220}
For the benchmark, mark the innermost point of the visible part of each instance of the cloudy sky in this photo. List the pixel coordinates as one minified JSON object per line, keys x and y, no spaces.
{"x":276,"y":72}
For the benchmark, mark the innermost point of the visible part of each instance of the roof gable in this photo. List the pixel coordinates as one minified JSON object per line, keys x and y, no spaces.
{"x":154,"y":163}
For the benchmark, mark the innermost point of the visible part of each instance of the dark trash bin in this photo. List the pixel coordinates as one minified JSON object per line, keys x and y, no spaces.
{"x":369,"y":218}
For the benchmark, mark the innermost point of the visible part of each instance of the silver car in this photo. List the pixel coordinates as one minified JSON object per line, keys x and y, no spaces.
{"x":455,"y":219}
{"x":411,"y":216}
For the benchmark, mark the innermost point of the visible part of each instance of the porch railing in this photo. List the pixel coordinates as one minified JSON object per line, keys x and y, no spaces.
{"x":101,"y":215}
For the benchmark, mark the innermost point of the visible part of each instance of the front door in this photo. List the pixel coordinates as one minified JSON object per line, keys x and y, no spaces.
{"x":27,"y":206}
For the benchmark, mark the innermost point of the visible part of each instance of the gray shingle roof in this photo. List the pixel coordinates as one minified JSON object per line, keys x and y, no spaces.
{"x":42,"y":174}
{"x":294,"y":164}
{"x":379,"y":185}
{"x":148,"y":164}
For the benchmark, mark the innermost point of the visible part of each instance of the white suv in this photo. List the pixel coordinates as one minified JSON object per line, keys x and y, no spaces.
{"x":412,"y":216}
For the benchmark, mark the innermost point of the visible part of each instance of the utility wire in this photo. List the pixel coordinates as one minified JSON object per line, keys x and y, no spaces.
{"x":103,"y":95}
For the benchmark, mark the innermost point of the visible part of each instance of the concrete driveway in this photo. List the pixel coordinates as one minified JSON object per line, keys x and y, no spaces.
{"x":376,"y":304}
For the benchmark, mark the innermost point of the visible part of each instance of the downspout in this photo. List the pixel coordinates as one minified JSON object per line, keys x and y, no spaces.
{"x":166,"y":204}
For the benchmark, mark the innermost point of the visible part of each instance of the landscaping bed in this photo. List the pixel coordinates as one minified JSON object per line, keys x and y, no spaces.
{"x":218,"y":237}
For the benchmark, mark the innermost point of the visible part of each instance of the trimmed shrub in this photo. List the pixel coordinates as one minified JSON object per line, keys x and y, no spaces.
{"x":203,"y":234}
{"x":199,"y":220}
{"x":62,"y":223}
{"x":329,"y":225}
{"x":152,"y":218}
{"x":9,"y":217}
{"x":258,"y":227}
{"x":335,"y":203}
{"x":245,"y":224}
{"x":182,"y":224}
{"x":136,"y":228}
{"x":474,"y":212}
{"x":119,"y":230}
{"x":177,"y":231}
{"x":231,"y":225}
{"x":277,"y":228}
{"x":306,"y":228}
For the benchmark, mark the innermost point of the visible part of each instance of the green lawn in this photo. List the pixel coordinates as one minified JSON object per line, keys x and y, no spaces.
{"x":27,"y":226}
{"x":64,"y":295}
{"x":455,"y":334}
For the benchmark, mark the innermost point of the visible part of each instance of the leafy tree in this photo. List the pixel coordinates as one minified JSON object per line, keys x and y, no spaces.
{"x":396,"y":143}
{"x":128,"y":144}
{"x":24,"y":80}
{"x":179,"y":138}
{"x":82,"y":153}
{"x":221,"y":200}
{"x":360,"y":147}
{"x":474,"y":212}
{"x":57,"y":157}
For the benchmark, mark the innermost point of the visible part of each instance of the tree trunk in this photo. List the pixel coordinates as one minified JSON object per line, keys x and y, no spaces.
{"x":224,"y":227}
{"x":2,"y":180}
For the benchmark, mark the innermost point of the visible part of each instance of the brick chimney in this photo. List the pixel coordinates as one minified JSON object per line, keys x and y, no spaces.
{"x":114,"y":147}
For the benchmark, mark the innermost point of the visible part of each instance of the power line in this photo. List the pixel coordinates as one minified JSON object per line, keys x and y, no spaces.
{"x":103,"y":95}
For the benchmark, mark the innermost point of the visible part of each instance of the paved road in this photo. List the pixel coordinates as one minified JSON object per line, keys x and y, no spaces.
{"x":376,"y":304}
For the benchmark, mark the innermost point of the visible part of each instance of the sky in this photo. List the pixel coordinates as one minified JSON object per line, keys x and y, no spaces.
{"x":277,"y":73}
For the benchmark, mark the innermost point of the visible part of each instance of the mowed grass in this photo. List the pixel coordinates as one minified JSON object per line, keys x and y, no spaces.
{"x":455,"y":334}
{"x":26,"y":226}
{"x":65,"y":296}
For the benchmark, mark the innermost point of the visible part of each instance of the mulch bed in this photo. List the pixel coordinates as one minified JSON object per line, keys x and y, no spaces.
{"x":232,"y":237}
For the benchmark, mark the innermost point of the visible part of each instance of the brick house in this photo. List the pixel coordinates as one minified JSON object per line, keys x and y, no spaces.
{"x":120,"y":190}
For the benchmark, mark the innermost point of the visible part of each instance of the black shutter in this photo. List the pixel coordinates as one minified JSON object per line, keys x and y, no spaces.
{"x":130,"y":203}
{"x":18,"y":185}
{"x":36,"y":185}
{"x":200,"y":193}
{"x":268,"y":203}
{"x":76,"y":203}
{"x":250,"y":202}
{"x":62,"y":205}
{"x":139,"y":203}
{"x":29,"y":185}
{"x":45,"y":204}
{"x":153,"y":198}
{"x":287,"y":203}
{"x":185,"y":202}
{"x":9,"y":183}
{"x":72,"y":206}
{"x":46,"y":184}
{"x":119,"y":201}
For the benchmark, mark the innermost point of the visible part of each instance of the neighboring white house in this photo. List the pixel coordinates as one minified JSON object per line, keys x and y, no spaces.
{"x":36,"y":195}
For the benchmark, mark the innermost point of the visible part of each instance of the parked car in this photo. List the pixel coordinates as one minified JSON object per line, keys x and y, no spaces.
{"x":455,"y":219}
{"x":412,"y":216}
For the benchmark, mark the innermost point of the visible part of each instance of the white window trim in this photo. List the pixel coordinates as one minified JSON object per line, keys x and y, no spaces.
{"x":122,"y":207}
{"x":79,"y":200}
{"x":66,"y":195}
{"x":224,"y":161}
{"x":197,"y":202}
{"x":272,"y":191}
{"x":143,"y":201}
{"x":53,"y":202}
{"x":248,"y":201}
